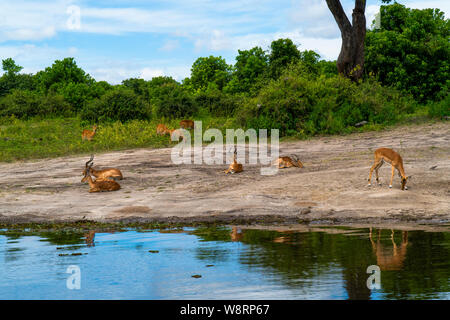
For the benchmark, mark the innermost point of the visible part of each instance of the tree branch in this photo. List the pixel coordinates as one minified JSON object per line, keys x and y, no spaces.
{"x":339,"y":15}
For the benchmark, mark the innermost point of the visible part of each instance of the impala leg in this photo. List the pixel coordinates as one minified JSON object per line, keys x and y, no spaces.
{"x":371,"y":171}
{"x":392,"y":176}
{"x":376,"y":172}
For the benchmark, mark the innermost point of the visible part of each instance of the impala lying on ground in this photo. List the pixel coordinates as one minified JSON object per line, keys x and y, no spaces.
{"x":392,"y":157}
{"x":109,"y":173}
{"x":234,"y":166}
{"x":88,"y":134}
{"x":287,"y":162}
{"x":98,"y":185}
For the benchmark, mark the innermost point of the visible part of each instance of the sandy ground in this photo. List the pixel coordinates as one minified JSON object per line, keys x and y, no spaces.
{"x":331,"y":188}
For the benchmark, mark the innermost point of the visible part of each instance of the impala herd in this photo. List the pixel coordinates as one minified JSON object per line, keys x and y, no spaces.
{"x":105,"y":179}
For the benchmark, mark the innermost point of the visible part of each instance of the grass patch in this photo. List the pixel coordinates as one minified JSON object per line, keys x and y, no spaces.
{"x":49,"y":138}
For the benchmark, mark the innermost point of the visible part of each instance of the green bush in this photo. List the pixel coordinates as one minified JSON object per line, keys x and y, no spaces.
{"x":440,"y":109}
{"x":26,"y":104}
{"x":217,"y":103}
{"x":118,"y":104}
{"x":306,"y":105}
{"x":173,"y":101}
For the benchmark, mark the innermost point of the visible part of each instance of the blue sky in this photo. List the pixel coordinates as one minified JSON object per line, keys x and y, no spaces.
{"x":116,"y":39}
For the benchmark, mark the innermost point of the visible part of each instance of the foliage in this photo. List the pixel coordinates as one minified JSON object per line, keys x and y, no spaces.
{"x":118,"y":104}
{"x":250,"y":66}
{"x":173,"y":101}
{"x":283,"y":52}
{"x":411,"y":50}
{"x":207,"y":71}
{"x":307,"y":105}
{"x":60,"y":74}
{"x":26,"y":104}
{"x":10,"y":66}
{"x":440,"y":109}
{"x":217,"y":103}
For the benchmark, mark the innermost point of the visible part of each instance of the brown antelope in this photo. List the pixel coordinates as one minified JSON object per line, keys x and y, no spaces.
{"x":99,"y":185}
{"x":234,"y":166}
{"x":390,"y":259}
{"x":287,"y":162}
{"x":88,"y":134}
{"x":109,"y":173}
{"x":392,"y":157}
{"x":162,"y":130}
{"x":187,"y":124}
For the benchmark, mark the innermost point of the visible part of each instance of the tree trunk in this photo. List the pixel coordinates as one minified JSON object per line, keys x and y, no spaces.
{"x":350,"y":62}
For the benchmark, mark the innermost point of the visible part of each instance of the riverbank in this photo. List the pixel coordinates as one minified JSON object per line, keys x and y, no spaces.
{"x":330,"y":189}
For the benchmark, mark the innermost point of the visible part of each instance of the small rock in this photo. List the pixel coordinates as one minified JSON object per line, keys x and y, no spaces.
{"x":433,"y":167}
{"x":360,"y":124}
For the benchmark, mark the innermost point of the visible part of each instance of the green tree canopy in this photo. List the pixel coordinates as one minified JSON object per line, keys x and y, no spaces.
{"x":61,"y":73}
{"x":283,"y":52}
{"x":250,"y":65}
{"x":207,"y":71}
{"x":10,"y":66}
{"x":411,"y":50}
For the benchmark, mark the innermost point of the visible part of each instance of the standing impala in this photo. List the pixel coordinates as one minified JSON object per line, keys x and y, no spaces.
{"x":88,"y":134}
{"x":392,"y":157}
{"x":110,"y":173}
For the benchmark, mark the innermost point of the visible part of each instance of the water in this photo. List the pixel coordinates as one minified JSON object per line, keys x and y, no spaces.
{"x":327,"y":263}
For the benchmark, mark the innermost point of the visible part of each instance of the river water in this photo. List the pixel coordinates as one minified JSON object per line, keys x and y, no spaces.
{"x":224,"y":263}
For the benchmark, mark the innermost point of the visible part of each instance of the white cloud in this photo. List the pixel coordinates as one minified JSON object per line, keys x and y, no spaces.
{"x":148,"y":73}
{"x":170,"y":45}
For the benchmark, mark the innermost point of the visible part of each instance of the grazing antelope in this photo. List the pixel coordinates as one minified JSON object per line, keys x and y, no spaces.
{"x":162,"y":130}
{"x":109,"y":173}
{"x":234,"y":166}
{"x":287,"y":162}
{"x":392,"y":157}
{"x":187,"y":124}
{"x":99,"y":185}
{"x":88,"y":134}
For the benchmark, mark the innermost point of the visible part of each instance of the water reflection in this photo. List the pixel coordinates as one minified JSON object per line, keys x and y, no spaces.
{"x":390,"y":257}
{"x":248,"y":263}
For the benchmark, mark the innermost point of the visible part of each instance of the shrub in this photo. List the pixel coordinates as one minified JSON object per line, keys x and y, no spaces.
{"x":440,"y":109}
{"x":217,"y":103}
{"x":120,"y":104}
{"x":26,"y":104}
{"x":304,"y":104}
{"x":173,"y":102}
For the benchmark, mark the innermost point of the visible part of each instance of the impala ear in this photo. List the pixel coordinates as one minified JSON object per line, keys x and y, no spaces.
{"x":408,"y":177}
